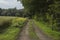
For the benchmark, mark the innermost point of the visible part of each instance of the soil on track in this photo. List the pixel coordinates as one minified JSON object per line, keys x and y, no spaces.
{"x":24,"y":34}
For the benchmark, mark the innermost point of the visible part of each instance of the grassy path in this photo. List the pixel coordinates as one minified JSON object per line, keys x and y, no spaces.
{"x":32,"y":33}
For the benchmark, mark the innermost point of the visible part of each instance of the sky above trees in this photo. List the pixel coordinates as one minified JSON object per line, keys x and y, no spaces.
{"x":10,"y":4}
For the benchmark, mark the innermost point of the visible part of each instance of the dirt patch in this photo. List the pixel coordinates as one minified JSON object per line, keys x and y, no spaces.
{"x":24,"y":34}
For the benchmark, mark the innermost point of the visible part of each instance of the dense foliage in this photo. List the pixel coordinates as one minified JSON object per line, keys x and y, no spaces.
{"x":47,"y":11}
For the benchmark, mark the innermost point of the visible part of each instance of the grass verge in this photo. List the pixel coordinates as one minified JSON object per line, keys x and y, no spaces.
{"x":32,"y":33}
{"x":48,"y":31}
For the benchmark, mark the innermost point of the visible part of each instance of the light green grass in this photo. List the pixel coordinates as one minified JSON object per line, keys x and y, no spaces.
{"x":32,"y":33}
{"x":48,"y":31}
{"x":14,"y":28}
{"x":10,"y":34}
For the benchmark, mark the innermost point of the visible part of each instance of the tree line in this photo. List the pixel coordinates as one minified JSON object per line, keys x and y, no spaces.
{"x":11,"y":12}
{"x":47,"y":11}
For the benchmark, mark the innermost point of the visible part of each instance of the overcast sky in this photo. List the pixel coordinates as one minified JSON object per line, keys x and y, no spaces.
{"x":10,"y":4}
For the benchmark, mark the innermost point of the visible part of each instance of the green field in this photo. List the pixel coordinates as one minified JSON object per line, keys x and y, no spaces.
{"x":10,"y":27}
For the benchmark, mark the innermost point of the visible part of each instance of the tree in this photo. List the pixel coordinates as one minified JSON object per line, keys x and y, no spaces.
{"x":47,"y":11}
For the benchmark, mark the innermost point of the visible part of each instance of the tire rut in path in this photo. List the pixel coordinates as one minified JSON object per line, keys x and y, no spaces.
{"x":24,"y":35}
{"x":40,"y":34}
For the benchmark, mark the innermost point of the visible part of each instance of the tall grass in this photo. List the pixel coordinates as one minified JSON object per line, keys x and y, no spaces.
{"x":10,"y":27}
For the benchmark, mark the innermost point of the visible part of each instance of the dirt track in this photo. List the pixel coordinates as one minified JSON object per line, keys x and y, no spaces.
{"x":24,"y":35}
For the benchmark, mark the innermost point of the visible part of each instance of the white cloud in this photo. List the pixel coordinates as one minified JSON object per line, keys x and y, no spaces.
{"x":10,"y":4}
